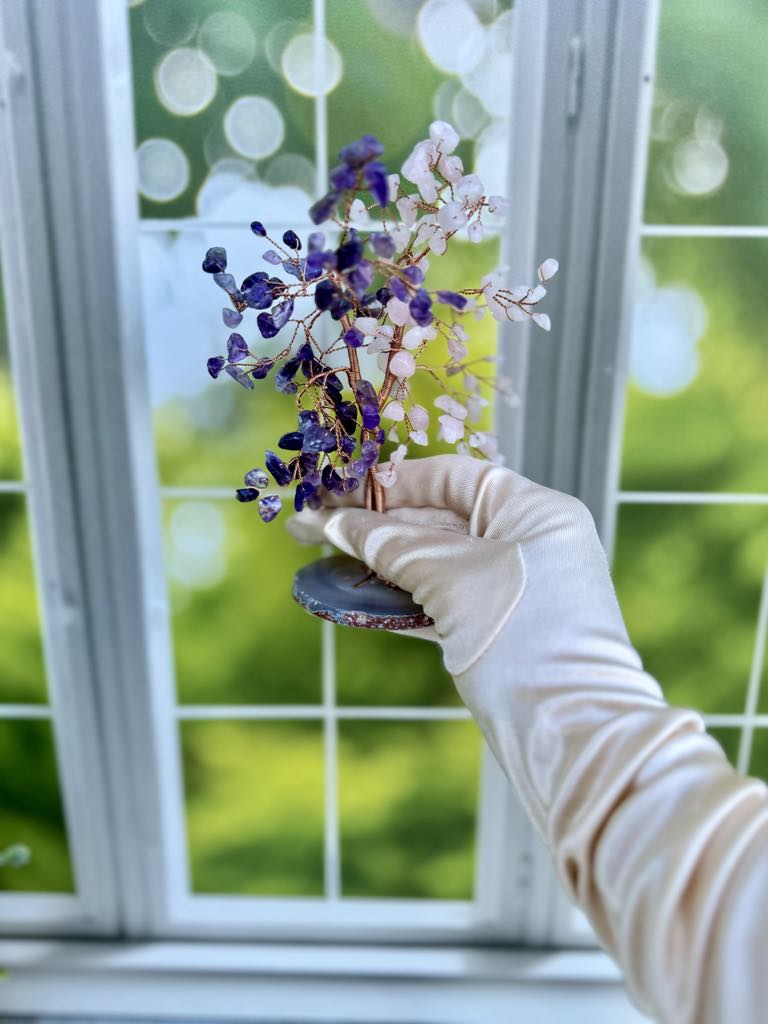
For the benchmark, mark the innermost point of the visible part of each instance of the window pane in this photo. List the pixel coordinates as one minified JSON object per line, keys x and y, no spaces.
{"x":221,"y":102}
{"x":408,"y":794}
{"x":688,"y":580}
{"x":22,"y":673}
{"x":255,"y":807}
{"x":758,"y":764}
{"x":376,"y":667}
{"x":710,"y":119}
{"x":238,"y":634}
{"x":696,"y":417}
{"x":10,"y":447}
{"x":728,"y":739}
{"x":31,"y":808}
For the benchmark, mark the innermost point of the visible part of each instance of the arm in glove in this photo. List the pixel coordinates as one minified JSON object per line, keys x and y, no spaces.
{"x":654,"y":835}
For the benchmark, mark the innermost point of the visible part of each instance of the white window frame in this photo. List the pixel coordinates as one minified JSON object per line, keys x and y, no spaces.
{"x":114,"y":711}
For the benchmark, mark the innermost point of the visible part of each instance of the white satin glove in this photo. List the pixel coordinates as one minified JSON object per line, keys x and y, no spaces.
{"x":655,"y":836}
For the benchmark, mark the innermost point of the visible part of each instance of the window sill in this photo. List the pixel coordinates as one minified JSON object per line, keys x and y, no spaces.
{"x":311,"y":982}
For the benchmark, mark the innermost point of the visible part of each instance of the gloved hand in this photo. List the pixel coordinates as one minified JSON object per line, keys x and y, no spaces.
{"x":648,"y":823}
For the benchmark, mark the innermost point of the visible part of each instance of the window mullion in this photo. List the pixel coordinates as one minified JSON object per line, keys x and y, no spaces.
{"x":35,"y":317}
{"x":81,"y":75}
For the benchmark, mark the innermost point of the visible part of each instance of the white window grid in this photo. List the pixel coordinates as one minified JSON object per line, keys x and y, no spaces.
{"x":130,"y":873}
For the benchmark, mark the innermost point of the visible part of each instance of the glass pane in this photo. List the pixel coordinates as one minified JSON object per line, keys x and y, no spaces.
{"x":22,"y":673}
{"x":710,"y":118}
{"x":696,"y":416}
{"x":688,"y":580}
{"x":223,"y":104}
{"x":419,"y":61}
{"x":10,"y":445}
{"x":758,"y":764}
{"x":407,"y":802}
{"x":728,"y":739}
{"x":255,"y":807}
{"x":238,"y":634}
{"x":31,"y":808}
{"x":376,"y":667}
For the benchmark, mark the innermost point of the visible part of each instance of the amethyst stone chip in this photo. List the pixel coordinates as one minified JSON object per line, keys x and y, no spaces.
{"x":238,"y":373}
{"x":291,"y":239}
{"x":366,"y":148}
{"x":421,"y":308}
{"x":452,"y":299}
{"x":323,"y":208}
{"x":269,"y":507}
{"x":216,"y":365}
{"x":382,"y":244}
{"x":278,"y":469}
{"x":376,"y":176}
{"x":231,"y":317}
{"x":246,"y":494}
{"x":258,"y":228}
{"x":215,"y":261}
{"x":292,"y":441}
{"x":236,"y":348}
{"x":256,"y":478}
{"x":318,"y":439}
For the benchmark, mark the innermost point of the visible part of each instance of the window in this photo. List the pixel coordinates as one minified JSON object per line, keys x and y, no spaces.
{"x":210,"y":762}
{"x":692,"y":524}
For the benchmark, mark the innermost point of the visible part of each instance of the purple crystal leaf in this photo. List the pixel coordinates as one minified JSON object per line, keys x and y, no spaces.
{"x":231,"y":317}
{"x":269,"y":507}
{"x":420,"y":307}
{"x":291,"y":239}
{"x":318,"y":439}
{"x":266,"y":325}
{"x":258,"y":228}
{"x":278,"y":468}
{"x":376,"y":176}
{"x":323,"y":208}
{"x":367,"y":147}
{"x":226,"y":281}
{"x":382,"y":244}
{"x":246,"y":494}
{"x":349,"y":254}
{"x":256,"y":478}
{"x":414,"y":274}
{"x":282,"y":314}
{"x":239,"y":374}
{"x":216,"y":365}
{"x":272,"y":257}
{"x":326,"y":293}
{"x":344,"y":176}
{"x":315,"y":241}
{"x":215,"y":261}
{"x":452,"y":299}
{"x":398,"y":289}
{"x":353,"y":337}
{"x":236,"y":348}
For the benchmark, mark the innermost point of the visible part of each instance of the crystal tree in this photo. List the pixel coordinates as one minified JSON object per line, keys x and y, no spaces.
{"x":371,"y":285}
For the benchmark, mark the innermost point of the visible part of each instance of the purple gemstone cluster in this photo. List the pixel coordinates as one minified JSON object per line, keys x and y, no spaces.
{"x":369,"y":278}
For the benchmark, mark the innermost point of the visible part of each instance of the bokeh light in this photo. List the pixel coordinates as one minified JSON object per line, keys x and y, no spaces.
{"x":298,"y":65}
{"x":229,"y":41}
{"x":699,"y":166}
{"x":196,"y":536}
{"x":668,"y":324}
{"x":170,"y":22}
{"x":291,"y":169}
{"x":162,"y":169}
{"x":451,"y":34}
{"x":278,"y":38}
{"x":254,"y":126}
{"x":185,"y":81}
